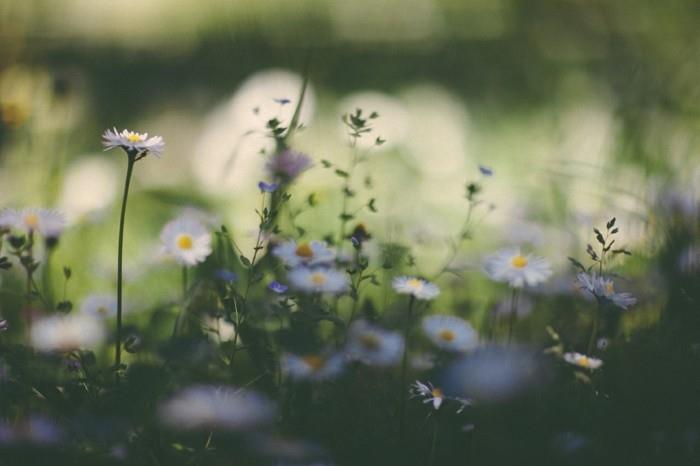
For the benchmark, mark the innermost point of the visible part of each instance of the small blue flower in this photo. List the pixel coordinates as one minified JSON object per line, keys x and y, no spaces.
{"x":226,"y":275}
{"x":282,"y":101}
{"x":277,"y":287}
{"x":267,"y":187}
{"x":486,"y":171}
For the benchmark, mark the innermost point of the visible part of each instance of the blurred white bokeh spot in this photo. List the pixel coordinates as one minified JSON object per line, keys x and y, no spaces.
{"x":228,"y":156}
{"x":90,"y":185}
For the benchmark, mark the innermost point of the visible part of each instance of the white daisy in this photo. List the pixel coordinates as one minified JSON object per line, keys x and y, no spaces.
{"x":67,"y":333}
{"x":186,"y":240}
{"x":314,"y":367}
{"x":207,"y":408}
{"x":294,"y":254}
{"x":511,"y":266}
{"x":132,"y":142}
{"x":435,"y":395}
{"x":318,"y":280}
{"x":604,"y":288}
{"x":581,"y":360}
{"x":374,"y":346}
{"x":99,"y":305}
{"x":416,"y":287}
{"x":450,"y":333}
{"x":48,"y":223}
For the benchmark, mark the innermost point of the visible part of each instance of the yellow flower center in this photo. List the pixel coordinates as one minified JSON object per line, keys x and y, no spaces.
{"x":184,"y":242}
{"x":609,"y":288}
{"x":31,"y":220}
{"x":318,"y":278}
{"x":583,"y":361}
{"x":447,"y":335}
{"x":102,"y":310}
{"x":414,"y":283}
{"x":519,"y":261}
{"x":304,"y":250}
{"x":437,"y":393}
{"x":370,"y":342}
{"x":134,"y":137}
{"x":314,"y":362}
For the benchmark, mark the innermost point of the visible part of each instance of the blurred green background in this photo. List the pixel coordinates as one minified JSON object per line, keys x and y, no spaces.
{"x":584,"y":109}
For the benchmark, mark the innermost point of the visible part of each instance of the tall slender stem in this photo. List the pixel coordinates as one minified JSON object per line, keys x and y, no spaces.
{"x":433,"y":443}
{"x":404,"y":367}
{"x":513,"y":313}
{"x":594,"y":329}
{"x":120,"y":248}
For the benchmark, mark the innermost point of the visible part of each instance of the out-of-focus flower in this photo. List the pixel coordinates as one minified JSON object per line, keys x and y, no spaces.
{"x":67,"y":333}
{"x":35,"y":429}
{"x":220,"y":329}
{"x":486,"y":171}
{"x":511,"y":266}
{"x":435,"y":395}
{"x":450,"y":333}
{"x":288,"y":164}
{"x":374,"y":346}
{"x":3,"y":325}
{"x":267,"y":187}
{"x":100,"y":305}
{"x":494,"y":374}
{"x":186,"y":240}
{"x":604,"y":288}
{"x":48,"y":223}
{"x":416,"y":287}
{"x":277,"y":287}
{"x":311,"y":253}
{"x":208,"y":408}
{"x":133,"y":142}
{"x":313,"y":367}
{"x":581,"y":360}
{"x":318,"y":280}
{"x":226,"y":275}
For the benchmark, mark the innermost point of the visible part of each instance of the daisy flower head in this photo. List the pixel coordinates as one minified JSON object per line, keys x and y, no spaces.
{"x":46,"y":222}
{"x":133,"y":143}
{"x":450,"y":333}
{"x":318,"y":280}
{"x":211,"y":408}
{"x":374,"y":346}
{"x":294,"y":254}
{"x":288,"y":165}
{"x":604,"y":288}
{"x":416,"y":287}
{"x":187,"y":240}
{"x":99,"y":305}
{"x":517,"y":269}
{"x":67,"y":333}
{"x":315,"y":367}
{"x":581,"y":360}
{"x":435,"y":395}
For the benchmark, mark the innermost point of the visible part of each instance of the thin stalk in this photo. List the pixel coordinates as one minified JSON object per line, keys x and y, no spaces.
{"x":594,"y":329}
{"x":183,"y":307}
{"x":433,"y":443}
{"x":404,"y":367}
{"x":346,"y":188}
{"x":120,"y":251}
{"x":513,"y":313}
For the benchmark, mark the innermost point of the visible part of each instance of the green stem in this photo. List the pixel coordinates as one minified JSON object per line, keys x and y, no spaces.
{"x":513,"y":313}
{"x":120,"y":249}
{"x":594,"y":330}
{"x":433,"y":444}
{"x":404,"y":368}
